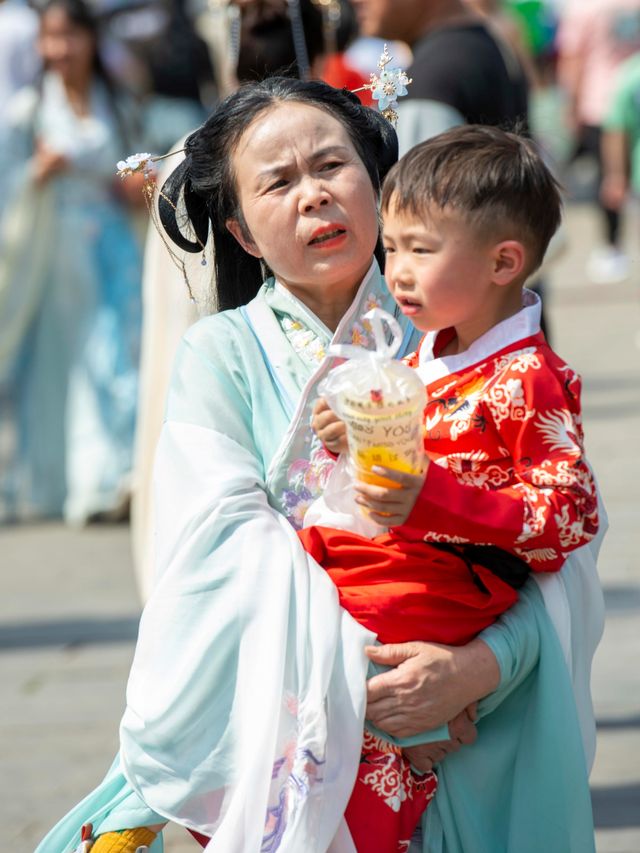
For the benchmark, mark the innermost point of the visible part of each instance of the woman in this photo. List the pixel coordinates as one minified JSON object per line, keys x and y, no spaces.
{"x":266,"y":46}
{"x":69,"y":282}
{"x":246,"y":700}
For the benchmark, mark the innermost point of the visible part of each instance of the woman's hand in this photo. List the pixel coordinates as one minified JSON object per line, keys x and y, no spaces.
{"x":430,"y":684}
{"x":329,"y":428}
{"x":463,"y":727}
{"x":390,"y":506}
{"x":463,"y":733}
{"x":425,"y":755}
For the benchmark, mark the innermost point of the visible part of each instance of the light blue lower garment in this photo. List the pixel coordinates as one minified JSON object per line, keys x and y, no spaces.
{"x":523,"y":786}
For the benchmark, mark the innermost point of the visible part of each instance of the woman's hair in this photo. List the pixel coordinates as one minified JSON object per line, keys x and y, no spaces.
{"x":200,"y":195}
{"x":80,"y":15}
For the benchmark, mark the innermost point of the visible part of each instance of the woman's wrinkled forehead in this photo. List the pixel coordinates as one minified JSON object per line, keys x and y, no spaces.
{"x":273,"y":126}
{"x":286,"y":131}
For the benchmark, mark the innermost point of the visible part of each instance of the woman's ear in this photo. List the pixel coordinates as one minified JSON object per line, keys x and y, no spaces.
{"x":509,"y":261}
{"x":243,"y":237}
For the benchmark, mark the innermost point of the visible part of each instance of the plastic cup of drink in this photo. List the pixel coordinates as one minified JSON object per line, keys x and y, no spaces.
{"x":385,"y":433}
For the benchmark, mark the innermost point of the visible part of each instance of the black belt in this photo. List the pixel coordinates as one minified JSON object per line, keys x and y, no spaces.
{"x":509,"y":568}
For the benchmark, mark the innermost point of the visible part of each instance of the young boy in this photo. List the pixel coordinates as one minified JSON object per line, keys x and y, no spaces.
{"x":467,"y":217}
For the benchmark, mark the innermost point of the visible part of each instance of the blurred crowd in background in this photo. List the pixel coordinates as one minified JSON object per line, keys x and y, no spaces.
{"x":84,"y":84}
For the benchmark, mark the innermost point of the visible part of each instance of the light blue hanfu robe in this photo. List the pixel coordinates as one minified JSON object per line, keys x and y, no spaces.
{"x":246,"y":696}
{"x":70,"y":313}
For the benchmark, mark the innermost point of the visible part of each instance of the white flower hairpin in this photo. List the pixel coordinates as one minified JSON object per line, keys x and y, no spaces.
{"x":144,"y":164}
{"x":387,"y":87}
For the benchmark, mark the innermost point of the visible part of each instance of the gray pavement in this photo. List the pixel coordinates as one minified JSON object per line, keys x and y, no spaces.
{"x":69,"y":607}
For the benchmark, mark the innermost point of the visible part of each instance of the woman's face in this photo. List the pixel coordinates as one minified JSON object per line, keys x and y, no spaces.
{"x":65,"y":47}
{"x":307,"y":200}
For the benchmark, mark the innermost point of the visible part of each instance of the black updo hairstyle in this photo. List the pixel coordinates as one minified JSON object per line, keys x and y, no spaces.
{"x":200,"y":194}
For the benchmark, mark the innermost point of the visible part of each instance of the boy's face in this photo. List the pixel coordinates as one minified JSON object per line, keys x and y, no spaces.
{"x":439,"y":271}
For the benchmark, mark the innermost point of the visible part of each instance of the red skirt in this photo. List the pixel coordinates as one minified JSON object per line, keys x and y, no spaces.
{"x":407,"y":591}
{"x":402,"y":591}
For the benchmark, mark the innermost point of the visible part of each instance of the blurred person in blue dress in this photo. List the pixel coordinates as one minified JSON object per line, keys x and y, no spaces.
{"x":70,"y":271}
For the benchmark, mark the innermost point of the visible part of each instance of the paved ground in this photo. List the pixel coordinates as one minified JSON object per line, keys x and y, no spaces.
{"x":68,"y":606}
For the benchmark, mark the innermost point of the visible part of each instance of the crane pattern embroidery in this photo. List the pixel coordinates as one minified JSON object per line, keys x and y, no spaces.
{"x":512,"y":424}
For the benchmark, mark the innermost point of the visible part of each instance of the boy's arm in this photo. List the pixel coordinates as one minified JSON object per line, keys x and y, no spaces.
{"x":548,"y":507}
{"x":386,"y":506}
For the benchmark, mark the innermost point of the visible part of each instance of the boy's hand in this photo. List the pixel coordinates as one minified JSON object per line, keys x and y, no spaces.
{"x":387,"y":505}
{"x":329,"y":428}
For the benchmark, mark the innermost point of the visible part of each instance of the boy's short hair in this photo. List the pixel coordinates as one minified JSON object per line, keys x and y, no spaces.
{"x":497,"y":181}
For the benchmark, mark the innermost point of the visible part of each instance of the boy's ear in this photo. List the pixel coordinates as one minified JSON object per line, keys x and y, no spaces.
{"x":509,"y":261}
{"x":243,"y":237}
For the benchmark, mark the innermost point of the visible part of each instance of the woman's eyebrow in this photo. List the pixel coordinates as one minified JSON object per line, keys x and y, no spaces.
{"x":341,"y":150}
{"x":278,"y":168}
{"x":272,"y":172}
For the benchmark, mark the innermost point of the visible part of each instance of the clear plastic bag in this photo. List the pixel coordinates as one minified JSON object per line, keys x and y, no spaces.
{"x":382,"y":403}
